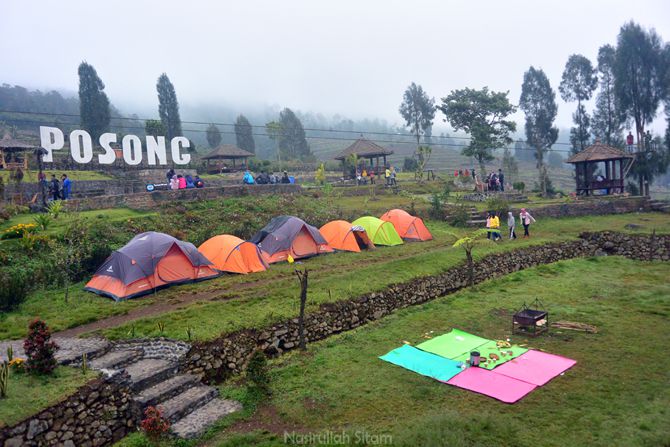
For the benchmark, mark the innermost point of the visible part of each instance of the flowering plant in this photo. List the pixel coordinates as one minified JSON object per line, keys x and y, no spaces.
{"x":18,"y":365}
{"x":154,"y":425}
{"x":18,"y":230}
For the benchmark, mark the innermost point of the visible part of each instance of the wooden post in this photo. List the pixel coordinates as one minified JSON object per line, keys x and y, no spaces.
{"x":623,"y":183}
{"x":302,"y":278}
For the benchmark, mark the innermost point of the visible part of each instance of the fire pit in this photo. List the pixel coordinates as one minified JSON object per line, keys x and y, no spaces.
{"x":530,"y":320}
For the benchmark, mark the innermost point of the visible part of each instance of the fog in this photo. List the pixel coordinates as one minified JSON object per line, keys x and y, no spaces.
{"x":352,"y":58}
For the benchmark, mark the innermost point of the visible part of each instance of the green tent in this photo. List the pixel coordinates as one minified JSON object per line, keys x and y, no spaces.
{"x":379,"y":231}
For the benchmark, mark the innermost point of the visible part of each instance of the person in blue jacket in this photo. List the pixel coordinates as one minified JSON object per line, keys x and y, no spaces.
{"x":189,"y":181}
{"x":67,"y":187}
{"x":248,"y":179}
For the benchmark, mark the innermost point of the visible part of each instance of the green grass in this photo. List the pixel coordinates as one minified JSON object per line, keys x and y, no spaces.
{"x":31,"y":176}
{"x":58,"y":225}
{"x":28,"y":394}
{"x":616,"y":395}
{"x":346,"y":275}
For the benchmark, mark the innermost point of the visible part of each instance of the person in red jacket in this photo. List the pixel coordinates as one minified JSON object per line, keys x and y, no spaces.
{"x":630,"y":141}
{"x":182,"y":181}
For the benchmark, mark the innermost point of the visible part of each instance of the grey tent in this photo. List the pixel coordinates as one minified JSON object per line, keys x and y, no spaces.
{"x":148,"y":262}
{"x":288,"y":235}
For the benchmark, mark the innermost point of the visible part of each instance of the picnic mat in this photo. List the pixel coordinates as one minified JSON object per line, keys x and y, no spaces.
{"x":535,"y":367}
{"x":489,"y":383}
{"x":423,"y":363}
{"x":453,"y":344}
{"x":491,"y":348}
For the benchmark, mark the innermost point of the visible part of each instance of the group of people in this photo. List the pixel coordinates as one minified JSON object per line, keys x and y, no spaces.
{"x":265,"y":178}
{"x":363,"y":176}
{"x":58,"y":190}
{"x":496,"y":181}
{"x":179,"y":181}
{"x":493,"y":224}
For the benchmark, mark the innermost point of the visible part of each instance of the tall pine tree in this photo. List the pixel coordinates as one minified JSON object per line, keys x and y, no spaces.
{"x":578,"y":83}
{"x":538,"y":101}
{"x":244,"y":134}
{"x":607,"y":119}
{"x":168,"y":107}
{"x":292,"y":142}
{"x":213,"y":136}
{"x":93,"y":102}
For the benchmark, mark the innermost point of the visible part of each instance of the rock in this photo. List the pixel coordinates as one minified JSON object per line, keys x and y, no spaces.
{"x":14,"y":442}
{"x":35,"y":427}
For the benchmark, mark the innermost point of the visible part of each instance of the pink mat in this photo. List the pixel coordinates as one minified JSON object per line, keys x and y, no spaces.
{"x":483,"y":381}
{"x":535,"y":367}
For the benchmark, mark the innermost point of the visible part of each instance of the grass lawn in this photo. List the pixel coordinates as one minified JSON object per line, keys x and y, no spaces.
{"x":58,"y":225}
{"x":28,"y":394}
{"x":616,"y":395}
{"x":346,"y":275}
{"x":31,"y":176}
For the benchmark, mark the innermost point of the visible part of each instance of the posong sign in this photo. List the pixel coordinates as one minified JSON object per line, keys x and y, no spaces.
{"x":81,"y":147}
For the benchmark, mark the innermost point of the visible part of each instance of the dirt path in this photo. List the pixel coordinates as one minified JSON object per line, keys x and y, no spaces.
{"x":171,"y":303}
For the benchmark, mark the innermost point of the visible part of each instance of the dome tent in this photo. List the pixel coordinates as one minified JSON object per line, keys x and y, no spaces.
{"x":379,"y":232}
{"x":409,"y":227}
{"x":341,"y":235}
{"x":148,"y":262}
{"x":229,"y":253}
{"x":288,"y":235}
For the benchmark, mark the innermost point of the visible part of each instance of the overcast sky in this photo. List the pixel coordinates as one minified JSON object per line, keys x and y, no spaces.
{"x":352,"y":57}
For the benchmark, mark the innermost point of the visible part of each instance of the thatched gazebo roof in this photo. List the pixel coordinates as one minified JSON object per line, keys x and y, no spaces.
{"x":598,"y":152}
{"x":227,"y":151}
{"x":364,"y":148}
{"x":9,"y":144}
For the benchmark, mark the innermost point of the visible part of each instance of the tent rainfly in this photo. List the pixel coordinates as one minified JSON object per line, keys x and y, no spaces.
{"x":379,"y":232}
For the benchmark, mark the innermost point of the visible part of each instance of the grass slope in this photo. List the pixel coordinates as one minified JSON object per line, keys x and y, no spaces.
{"x":616,"y":395}
{"x":28,"y":394}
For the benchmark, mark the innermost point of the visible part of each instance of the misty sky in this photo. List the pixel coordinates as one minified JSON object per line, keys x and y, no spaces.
{"x":349,"y":57}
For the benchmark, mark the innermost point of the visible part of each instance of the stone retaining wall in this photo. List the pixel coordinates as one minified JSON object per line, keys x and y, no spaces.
{"x":98,"y":414}
{"x":591,"y":207}
{"x":220,"y":358}
{"x":152,"y":200}
{"x":155,"y":348}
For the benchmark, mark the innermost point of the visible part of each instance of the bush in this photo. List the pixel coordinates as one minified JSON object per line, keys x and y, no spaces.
{"x":410,"y":164}
{"x":498,"y":204}
{"x":459,"y":215}
{"x":18,"y":231}
{"x":15,"y":286}
{"x":633,"y":189}
{"x":436,"y":207}
{"x":42,"y":221}
{"x":519,"y":186}
{"x":154,"y":425}
{"x":258,"y":375}
{"x":39,"y":349}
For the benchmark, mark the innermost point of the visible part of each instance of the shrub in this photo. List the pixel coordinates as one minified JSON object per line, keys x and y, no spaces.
{"x":519,"y":186}
{"x":436,"y":207}
{"x":459,"y":215}
{"x":33,"y":242}
{"x":42,"y":221}
{"x":154,"y":425}
{"x":498,"y":204}
{"x":39,"y":349}
{"x":633,"y":189}
{"x":55,"y":208}
{"x":15,"y":286}
{"x":18,"y":230}
{"x":258,"y":375}
{"x":410,"y":164}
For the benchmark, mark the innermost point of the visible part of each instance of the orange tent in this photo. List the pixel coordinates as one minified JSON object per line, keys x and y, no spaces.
{"x":341,"y":235}
{"x":409,"y":227}
{"x":231,"y":254}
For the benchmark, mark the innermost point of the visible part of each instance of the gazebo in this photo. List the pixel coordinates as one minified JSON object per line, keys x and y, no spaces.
{"x":14,"y":153}
{"x":364,"y":148}
{"x":600,"y":167}
{"x":227,"y":152}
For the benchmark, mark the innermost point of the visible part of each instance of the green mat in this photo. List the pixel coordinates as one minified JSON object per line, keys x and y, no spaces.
{"x":453,"y":344}
{"x":491,"y":348}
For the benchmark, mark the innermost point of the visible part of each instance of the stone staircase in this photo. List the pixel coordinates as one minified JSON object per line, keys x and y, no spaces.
{"x":189,"y":405}
{"x":662,"y":206}
{"x":476,"y":218}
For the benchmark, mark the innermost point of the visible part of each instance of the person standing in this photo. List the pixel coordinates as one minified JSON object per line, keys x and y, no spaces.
{"x":393,"y":174}
{"x":54,"y":187}
{"x":501,"y":177}
{"x":526,"y":219}
{"x":511,"y":224}
{"x":488,"y":225}
{"x":387,"y":176}
{"x":630,"y":141}
{"x":67,"y":186}
{"x":495,"y":226}
{"x":372,"y":176}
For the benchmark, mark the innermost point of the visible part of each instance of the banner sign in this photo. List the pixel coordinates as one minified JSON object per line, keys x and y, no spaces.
{"x":81,"y":147}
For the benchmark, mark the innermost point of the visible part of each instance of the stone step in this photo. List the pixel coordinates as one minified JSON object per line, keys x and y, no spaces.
{"x":187,"y":401}
{"x":148,"y":372}
{"x":72,"y":349}
{"x":116,"y":359}
{"x":196,"y":422}
{"x":166,"y":390}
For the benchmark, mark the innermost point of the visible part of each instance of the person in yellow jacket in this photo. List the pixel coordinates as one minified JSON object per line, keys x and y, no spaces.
{"x":387,"y":176}
{"x":494,"y":226}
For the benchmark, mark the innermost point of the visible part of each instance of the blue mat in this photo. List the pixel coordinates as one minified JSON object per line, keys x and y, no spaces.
{"x":424,"y":363}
